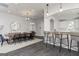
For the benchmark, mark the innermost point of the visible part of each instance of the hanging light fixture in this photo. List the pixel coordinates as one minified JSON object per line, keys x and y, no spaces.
{"x":61,"y":9}
{"x":47,"y":9}
{"x":27,"y":18}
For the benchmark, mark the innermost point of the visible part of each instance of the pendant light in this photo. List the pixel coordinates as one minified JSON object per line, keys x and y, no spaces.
{"x":47,"y":9}
{"x":61,"y":9}
{"x":27,"y":18}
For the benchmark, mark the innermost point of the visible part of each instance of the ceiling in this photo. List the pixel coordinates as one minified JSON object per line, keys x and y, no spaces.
{"x":70,"y":11}
{"x":32,"y":10}
{"x":67,"y":15}
{"x":36,"y":10}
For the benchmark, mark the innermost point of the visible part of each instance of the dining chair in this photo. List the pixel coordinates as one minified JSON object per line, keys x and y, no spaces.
{"x":3,"y":39}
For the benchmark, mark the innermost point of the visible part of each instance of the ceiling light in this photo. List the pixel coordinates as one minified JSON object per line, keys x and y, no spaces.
{"x":61,"y":9}
{"x":27,"y":18}
{"x":47,"y":14}
{"x":47,"y":9}
{"x":28,"y":13}
{"x":72,"y":22}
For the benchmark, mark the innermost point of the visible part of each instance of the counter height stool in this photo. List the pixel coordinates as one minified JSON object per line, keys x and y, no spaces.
{"x":46,"y":38}
{"x":58,"y":36}
{"x":61,"y":37}
{"x":74,"y":38}
{"x":53,"y":38}
{"x":66,"y":37}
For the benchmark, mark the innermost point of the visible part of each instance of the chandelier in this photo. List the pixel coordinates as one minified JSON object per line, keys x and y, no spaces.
{"x":27,"y":14}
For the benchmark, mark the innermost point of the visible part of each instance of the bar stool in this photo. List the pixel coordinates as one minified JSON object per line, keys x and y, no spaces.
{"x":53,"y":38}
{"x":46,"y":38}
{"x":58,"y":36}
{"x":50,"y":39}
{"x":61,"y":37}
{"x":74,"y":38}
{"x":65,"y":36}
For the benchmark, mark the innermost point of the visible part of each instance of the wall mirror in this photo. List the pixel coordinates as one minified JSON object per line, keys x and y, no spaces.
{"x":14,"y":26}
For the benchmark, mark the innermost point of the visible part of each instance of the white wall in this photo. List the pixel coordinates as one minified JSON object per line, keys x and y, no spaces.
{"x":39,"y":26}
{"x":7,"y":19}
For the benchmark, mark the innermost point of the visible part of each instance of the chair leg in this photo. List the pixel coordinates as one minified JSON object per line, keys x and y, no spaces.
{"x":60,"y":45}
{"x":46,"y":40}
{"x":14,"y":41}
{"x":70,"y":45}
{"x":68,"y":42}
{"x":54,"y":40}
{"x":7,"y":41}
{"x":2,"y":43}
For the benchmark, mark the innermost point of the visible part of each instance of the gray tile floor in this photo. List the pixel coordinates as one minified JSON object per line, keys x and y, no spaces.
{"x":39,"y":49}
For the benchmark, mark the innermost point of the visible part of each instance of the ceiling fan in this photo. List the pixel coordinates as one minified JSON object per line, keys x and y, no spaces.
{"x":4,"y":5}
